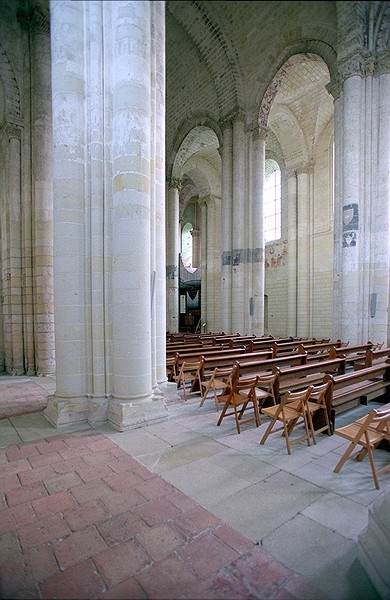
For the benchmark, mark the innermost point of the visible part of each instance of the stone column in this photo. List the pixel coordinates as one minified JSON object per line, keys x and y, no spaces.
{"x":12,"y":289}
{"x":292,"y":233}
{"x":226,"y":227}
{"x":173,"y":249}
{"x":133,"y":128}
{"x":69,"y":405}
{"x":239,"y":227}
{"x":256,"y":307}
{"x":211,"y":269}
{"x":42,"y":177}
{"x":304,"y":254}
{"x":109,"y":212}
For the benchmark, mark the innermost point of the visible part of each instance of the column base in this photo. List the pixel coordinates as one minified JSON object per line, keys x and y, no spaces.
{"x":125,"y":414}
{"x":69,"y":413}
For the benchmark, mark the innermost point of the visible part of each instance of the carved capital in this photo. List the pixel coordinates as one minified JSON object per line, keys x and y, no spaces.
{"x":13,"y":131}
{"x":175,"y":182}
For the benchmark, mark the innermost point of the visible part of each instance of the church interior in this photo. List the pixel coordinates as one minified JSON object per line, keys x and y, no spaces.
{"x":203,"y":181}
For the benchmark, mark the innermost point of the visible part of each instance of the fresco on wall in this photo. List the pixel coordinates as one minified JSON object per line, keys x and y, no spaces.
{"x":276,"y":255}
{"x":350,"y":225}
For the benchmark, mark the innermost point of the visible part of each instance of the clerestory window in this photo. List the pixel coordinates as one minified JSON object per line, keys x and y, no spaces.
{"x":272,"y":202}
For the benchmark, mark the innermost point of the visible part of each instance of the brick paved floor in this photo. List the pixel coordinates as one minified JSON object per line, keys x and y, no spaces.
{"x":80,"y":518}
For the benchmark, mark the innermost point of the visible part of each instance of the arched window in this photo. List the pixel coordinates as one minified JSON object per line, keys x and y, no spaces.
{"x":272,"y":202}
{"x":186,"y":245}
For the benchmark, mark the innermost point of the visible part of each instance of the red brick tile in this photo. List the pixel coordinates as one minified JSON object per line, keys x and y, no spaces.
{"x":9,"y":546}
{"x":79,"y":581}
{"x":97,"y":458}
{"x":157,"y":511}
{"x":122,"y":481}
{"x":169,"y":578}
{"x":78,"y":546}
{"x":86,"y":514}
{"x":122,"y":464}
{"x":91,"y":490}
{"x":74,"y":452}
{"x":155,"y":488}
{"x":206,"y":554}
{"x":89,"y":472}
{"x":7,"y":520}
{"x":41,"y":532}
{"x":23,"y":514}
{"x":44,"y":459}
{"x":25,"y":570}
{"x":224,"y":585}
{"x":160,"y":541}
{"x":16,"y":466}
{"x":53,"y":503}
{"x":260,"y":571}
{"x":181,"y":500}
{"x":71,"y":464}
{"x":51,"y":445}
{"x":130,"y":588}
{"x":9,"y":482}
{"x":121,"y":528}
{"x":18,"y":452}
{"x":118,"y":502}
{"x":26,"y":493}
{"x":121,"y":562}
{"x":196,"y":520}
{"x":38,"y":474}
{"x":56,"y":483}
{"x":232,"y":538}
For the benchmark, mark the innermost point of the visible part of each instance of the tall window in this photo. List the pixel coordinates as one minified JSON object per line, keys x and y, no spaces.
{"x":272,"y":203}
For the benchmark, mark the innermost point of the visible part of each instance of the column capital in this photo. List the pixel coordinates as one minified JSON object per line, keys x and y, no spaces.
{"x":175,"y":182}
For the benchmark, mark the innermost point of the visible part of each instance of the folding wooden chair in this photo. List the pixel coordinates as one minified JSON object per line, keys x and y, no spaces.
{"x":220,"y":379}
{"x":266,"y":389}
{"x":190,"y":371}
{"x":291,"y":409}
{"x":315,"y":405}
{"x":240,"y":397}
{"x":366,"y":432}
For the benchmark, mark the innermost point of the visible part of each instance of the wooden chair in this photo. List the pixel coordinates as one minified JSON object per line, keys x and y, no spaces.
{"x":240,"y":397}
{"x":190,"y":371}
{"x":265,"y":389}
{"x":366,"y":432}
{"x":292,"y":408}
{"x":220,"y":379}
{"x":317,"y":404}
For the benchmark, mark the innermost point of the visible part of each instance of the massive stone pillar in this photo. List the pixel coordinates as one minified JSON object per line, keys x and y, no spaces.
{"x":239,"y":227}
{"x":211,"y":266}
{"x":362,"y":186}
{"x":172,"y":252}
{"x":292,"y":233}
{"x":256,"y":302}
{"x":109,"y":201}
{"x":304,"y":254}
{"x":226,"y":227}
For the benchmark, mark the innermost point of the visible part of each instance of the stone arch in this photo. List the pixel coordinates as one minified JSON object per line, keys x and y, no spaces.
{"x":215,"y":49}
{"x":185,"y":136}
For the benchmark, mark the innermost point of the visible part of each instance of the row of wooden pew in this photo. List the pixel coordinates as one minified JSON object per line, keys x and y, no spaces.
{"x":357,"y":373}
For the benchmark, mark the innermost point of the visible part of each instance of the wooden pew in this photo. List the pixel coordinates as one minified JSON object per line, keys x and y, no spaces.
{"x":283,"y":348}
{"x":320,"y":350}
{"x":173,"y":366}
{"x":265,"y":343}
{"x":260,"y":367}
{"x":298,"y":377}
{"x":357,"y":387}
{"x":351,"y":353}
{"x":373,"y":357}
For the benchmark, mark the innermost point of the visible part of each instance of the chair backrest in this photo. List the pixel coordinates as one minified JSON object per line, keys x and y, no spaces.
{"x":320,"y":391}
{"x":245,"y":386}
{"x":380,"y":420}
{"x":300,"y":397}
